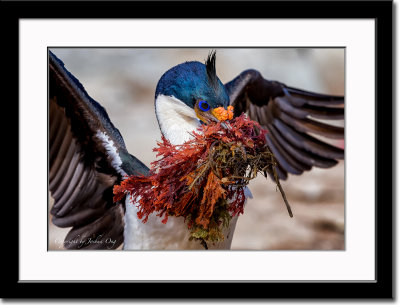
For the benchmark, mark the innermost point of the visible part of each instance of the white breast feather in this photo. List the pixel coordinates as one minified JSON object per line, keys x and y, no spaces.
{"x":174,"y":235}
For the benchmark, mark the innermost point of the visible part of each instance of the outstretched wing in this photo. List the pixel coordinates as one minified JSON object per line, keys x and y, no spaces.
{"x":87,"y":156}
{"x":293,"y":118}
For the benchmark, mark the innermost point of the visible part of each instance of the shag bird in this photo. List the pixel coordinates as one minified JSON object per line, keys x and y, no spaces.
{"x":88,"y":156}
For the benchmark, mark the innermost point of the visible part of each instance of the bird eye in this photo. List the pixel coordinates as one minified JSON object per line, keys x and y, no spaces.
{"x":203,"y":105}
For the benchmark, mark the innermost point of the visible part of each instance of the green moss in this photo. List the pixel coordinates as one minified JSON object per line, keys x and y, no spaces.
{"x":213,"y":233}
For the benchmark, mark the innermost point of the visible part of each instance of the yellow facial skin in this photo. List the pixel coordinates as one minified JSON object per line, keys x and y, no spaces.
{"x":214,"y":114}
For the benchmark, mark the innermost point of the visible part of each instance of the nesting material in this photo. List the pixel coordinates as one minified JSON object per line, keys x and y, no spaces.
{"x":204,"y":179}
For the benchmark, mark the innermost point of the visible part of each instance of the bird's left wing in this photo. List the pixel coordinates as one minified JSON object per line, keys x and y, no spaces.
{"x":87,"y":156}
{"x":297,"y":121}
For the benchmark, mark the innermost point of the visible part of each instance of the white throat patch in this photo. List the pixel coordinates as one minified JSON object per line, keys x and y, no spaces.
{"x":175,"y":118}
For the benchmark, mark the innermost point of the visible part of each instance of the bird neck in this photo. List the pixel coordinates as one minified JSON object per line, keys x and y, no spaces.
{"x":176,"y":119}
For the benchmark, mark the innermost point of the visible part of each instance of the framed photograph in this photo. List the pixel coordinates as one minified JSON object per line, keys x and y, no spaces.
{"x":322,"y":71}
{"x":99,"y":91}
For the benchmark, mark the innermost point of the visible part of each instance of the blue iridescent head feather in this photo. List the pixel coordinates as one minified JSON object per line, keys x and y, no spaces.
{"x":193,"y":81}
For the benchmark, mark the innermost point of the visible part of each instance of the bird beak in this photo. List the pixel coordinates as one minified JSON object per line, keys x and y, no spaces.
{"x":219,"y":114}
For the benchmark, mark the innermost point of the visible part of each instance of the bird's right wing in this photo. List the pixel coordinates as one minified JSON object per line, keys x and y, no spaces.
{"x":87,"y":156}
{"x":293,"y":119}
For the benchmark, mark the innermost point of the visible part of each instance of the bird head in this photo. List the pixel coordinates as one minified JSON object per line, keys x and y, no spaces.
{"x":190,"y":93}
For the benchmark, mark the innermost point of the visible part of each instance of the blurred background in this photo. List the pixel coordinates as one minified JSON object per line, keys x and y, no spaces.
{"x":123,"y":81}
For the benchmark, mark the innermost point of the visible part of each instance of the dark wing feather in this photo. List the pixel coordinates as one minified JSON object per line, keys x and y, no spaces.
{"x":87,"y":156}
{"x":293,"y":118}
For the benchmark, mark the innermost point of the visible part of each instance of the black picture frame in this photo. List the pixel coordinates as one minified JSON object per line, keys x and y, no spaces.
{"x":381,"y":11}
